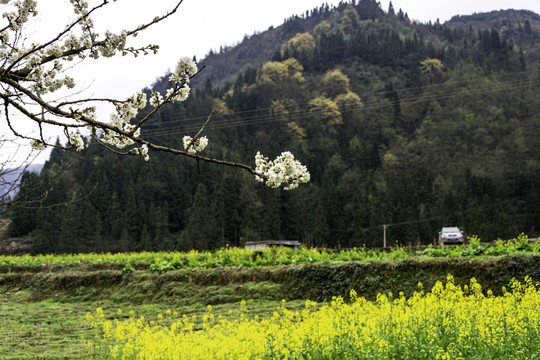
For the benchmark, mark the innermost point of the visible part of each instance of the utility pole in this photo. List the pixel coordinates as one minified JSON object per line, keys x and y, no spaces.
{"x":384,"y":235}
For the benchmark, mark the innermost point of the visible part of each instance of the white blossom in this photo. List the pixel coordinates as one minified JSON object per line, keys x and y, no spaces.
{"x":142,"y":151}
{"x":116,"y":139}
{"x":17,"y":18}
{"x":186,"y":66}
{"x":156,"y":99}
{"x":284,"y":170}
{"x":202,"y":143}
{"x":175,"y":78}
{"x":138,"y":100}
{"x":178,"y":95}
{"x":183,"y":94}
{"x":77,"y":141}
{"x":192,"y":146}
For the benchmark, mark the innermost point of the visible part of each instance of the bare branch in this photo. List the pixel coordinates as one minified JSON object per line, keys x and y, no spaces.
{"x":196,"y":157}
{"x":156,"y":19}
{"x":204,"y":125}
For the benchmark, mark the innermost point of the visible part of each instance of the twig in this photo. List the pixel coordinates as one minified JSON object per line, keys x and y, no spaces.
{"x":6,"y":290}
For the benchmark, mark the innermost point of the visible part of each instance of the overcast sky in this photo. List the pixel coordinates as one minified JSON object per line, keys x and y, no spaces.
{"x":201,"y":25}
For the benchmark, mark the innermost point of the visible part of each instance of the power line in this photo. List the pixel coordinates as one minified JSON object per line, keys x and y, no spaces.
{"x":431,"y":93}
{"x":376,"y":100}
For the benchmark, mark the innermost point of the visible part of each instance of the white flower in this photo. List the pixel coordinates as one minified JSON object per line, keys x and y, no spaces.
{"x":283,"y":170}
{"x":175,"y":78}
{"x":138,"y":100}
{"x":202,"y":142}
{"x":142,"y":150}
{"x":183,"y":94}
{"x":177,"y":95}
{"x":186,"y":140}
{"x":116,"y":121}
{"x":156,"y":99}
{"x":118,"y":140}
{"x":186,"y":66}
{"x":76,"y":140}
{"x":192,"y":146}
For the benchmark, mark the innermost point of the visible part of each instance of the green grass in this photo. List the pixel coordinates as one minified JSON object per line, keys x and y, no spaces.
{"x":42,"y":330}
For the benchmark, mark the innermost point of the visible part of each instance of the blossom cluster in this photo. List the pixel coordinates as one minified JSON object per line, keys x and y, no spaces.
{"x":142,"y":151}
{"x":19,"y":17}
{"x":184,"y":70}
{"x":77,"y":141}
{"x":284,"y":170}
{"x":127,"y":110}
{"x":38,"y":69}
{"x":42,"y":66}
{"x":194,"y":145}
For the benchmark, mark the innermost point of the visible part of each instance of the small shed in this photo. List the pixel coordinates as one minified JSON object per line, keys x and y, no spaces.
{"x":254,"y":245}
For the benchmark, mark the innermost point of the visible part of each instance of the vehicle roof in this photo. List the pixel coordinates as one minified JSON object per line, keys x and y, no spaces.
{"x":450,"y":229}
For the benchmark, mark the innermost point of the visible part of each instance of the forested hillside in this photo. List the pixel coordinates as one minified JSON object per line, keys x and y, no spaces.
{"x":417,"y":125}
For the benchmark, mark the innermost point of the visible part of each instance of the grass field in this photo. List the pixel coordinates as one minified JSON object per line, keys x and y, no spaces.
{"x":45,"y":300}
{"x":42,"y":330}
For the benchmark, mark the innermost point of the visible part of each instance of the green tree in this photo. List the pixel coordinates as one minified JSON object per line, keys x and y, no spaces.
{"x":334,"y":83}
{"x":349,"y":104}
{"x":322,"y":28}
{"x":23,"y":217}
{"x":301,"y":46}
{"x":432,"y":69}
{"x":278,"y":73}
{"x":349,"y":20}
{"x":280,"y":79}
{"x":325,"y":119}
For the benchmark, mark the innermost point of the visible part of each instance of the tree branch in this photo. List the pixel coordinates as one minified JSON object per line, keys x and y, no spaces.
{"x":52,"y":41}
{"x":23,"y":89}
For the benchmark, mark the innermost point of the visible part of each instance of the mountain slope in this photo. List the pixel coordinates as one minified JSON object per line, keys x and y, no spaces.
{"x":414,"y":126}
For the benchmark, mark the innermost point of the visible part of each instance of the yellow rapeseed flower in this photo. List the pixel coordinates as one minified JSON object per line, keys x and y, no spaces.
{"x":449,"y":322}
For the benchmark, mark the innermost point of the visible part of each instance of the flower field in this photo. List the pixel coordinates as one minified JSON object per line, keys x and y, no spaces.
{"x":447,"y":322}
